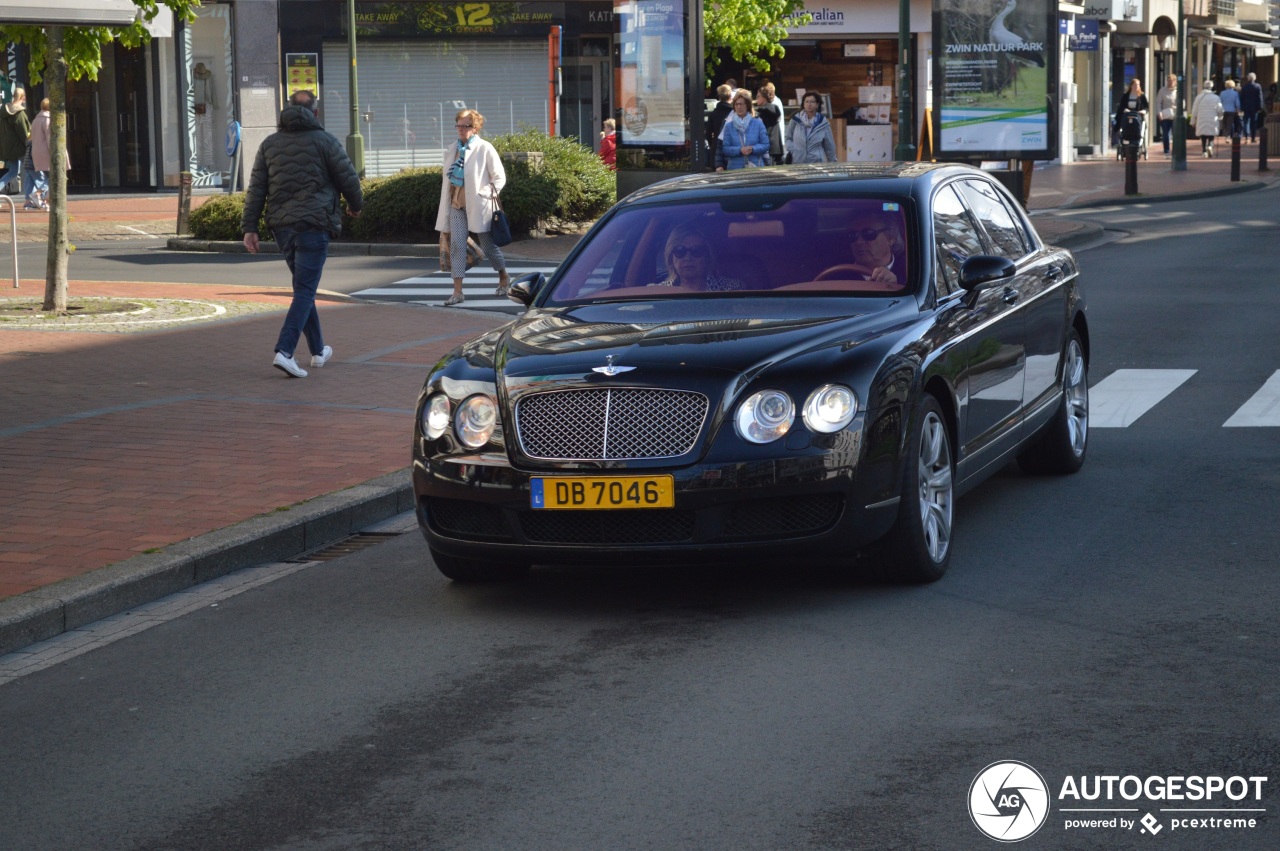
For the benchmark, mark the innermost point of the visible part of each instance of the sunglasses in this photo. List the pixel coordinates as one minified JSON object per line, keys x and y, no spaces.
{"x":867,"y":234}
{"x":463,"y":126}
{"x":697,"y":252}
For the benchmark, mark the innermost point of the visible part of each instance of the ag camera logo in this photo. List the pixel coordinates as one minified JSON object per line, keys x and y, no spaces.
{"x":1008,"y":801}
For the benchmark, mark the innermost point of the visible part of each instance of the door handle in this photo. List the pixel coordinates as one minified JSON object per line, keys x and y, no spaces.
{"x":1009,"y":296}
{"x":1053,"y":273}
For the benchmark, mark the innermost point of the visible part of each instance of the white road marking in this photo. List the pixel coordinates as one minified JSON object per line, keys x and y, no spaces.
{"x":1262,"y":409}
{"x":1126,"y":394}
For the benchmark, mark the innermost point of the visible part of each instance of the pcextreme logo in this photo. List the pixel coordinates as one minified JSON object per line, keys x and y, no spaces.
{"x":1009,"y":801}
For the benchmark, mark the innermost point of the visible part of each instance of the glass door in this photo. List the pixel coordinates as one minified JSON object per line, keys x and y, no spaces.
{"x":131,"y":119}
{"x":582,"y":99}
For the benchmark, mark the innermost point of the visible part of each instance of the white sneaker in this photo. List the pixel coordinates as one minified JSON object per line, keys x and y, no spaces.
{"x":321,"y":359}
{"x":288,"y":366}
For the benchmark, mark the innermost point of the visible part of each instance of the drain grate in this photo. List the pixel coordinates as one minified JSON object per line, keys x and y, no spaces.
{"x":344,"y":547}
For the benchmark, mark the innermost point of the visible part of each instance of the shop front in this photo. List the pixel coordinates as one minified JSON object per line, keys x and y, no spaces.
{"x":848,"y":54}
{"x":419,"y":63}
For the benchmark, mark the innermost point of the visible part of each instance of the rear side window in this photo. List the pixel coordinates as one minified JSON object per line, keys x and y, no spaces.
{"x":956,"y":238}
{"x":1007,"y":235}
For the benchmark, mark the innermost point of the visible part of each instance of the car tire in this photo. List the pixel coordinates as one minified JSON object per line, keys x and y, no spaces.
{"x":473,"y":570}
{"x":1061,"y":447}
{"x":918,"y":547}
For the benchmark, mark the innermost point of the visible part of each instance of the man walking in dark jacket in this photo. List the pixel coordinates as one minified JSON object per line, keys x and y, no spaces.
{"x":1251,"y":104}
{"x":299,"y":173}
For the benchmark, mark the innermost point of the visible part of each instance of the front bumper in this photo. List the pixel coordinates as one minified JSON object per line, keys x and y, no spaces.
{"x":481,"y":508}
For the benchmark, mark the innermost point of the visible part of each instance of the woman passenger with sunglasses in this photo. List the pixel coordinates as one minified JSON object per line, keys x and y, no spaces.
{"x":690,"y":263}
{"x":473,"y":177}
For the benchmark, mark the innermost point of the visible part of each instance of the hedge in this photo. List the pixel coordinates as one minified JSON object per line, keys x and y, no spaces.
{"x":572,"y":185}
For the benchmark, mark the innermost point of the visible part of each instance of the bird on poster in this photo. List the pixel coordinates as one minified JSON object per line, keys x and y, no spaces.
{"x":1002,"y":35}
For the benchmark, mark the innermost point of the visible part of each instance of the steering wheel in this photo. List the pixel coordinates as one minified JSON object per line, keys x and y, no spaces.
{"x":843,"y":270}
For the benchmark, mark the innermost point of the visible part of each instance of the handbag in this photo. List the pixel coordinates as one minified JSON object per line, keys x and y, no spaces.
{"x":500,"y":228}
{"x":1167,"y":113}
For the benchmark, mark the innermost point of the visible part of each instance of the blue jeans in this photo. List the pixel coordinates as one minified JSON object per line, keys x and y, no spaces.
{"x":1166,"y":132}
{"x":305,"y":251}
{"x":11,"y":168}
{"x":32,"y":181}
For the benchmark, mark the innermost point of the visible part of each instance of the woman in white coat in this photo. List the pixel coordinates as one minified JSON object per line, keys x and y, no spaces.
{"x":1206,"y":111}
{"x":473,"y":177}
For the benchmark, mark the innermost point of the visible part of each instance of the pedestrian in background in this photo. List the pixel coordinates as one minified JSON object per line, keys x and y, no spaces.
{"x":771,"y":116}
{"x":1167,"y":108}
{"x":1230,"y":99}
{"x":715,"y":123}
{"x":1251,"y":105}
{"x":809,"y":136}
{"x":1206,"y":111}
{"x":35,"y":184}
{"x":15,"y":130}
{"x":469,"y":198}
{"x":609,"y":144}
{"x":1132,"y":102}
{"x":744,"y":143}
{"x":299,"y":172}
{"x":771,"y":92}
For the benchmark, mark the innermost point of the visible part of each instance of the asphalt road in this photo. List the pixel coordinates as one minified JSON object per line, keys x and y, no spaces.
{"x":1118,"y":622}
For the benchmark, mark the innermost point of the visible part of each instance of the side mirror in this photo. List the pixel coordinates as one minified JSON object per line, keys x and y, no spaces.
{"x":525,"y":287}
{"x":981,"y":270}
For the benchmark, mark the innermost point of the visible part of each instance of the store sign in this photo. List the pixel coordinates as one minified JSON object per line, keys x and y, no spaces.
{"x":455,"y":19}
{"x":79,"y":13}
{"x":997,"y":78}
{"x":1085,"y":38}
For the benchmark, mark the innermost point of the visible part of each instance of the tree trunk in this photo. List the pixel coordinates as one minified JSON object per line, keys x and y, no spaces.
{"x":55,"y":81}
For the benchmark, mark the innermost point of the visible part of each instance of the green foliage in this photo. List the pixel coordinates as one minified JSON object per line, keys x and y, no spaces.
{"x":398,"y":208}
{"x":751,"y":30}
{"x":573,"y":185}
{"x":219,"y":218}
{"x":83,"y":45}
{"x":584,"y":186}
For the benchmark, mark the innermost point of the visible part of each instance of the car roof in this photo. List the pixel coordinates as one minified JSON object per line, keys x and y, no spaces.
{"x":895,"y":178}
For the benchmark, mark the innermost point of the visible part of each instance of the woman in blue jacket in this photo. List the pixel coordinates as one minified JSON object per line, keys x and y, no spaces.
{"x":743,"y":140}
{"x":809,"y":134}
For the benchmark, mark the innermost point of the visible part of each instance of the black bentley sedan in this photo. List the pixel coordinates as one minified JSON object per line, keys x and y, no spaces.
{"x":801,"y":360}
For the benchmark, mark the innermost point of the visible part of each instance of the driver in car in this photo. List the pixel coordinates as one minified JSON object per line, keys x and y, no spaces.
{"x":690,"y":262}
{"x":878,"y":246}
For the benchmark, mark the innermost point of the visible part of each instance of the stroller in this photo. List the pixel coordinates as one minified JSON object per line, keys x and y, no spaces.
{"x":1129,"y":129}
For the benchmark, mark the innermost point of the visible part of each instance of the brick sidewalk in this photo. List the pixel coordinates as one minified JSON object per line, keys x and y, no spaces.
{"x":113,"y":445}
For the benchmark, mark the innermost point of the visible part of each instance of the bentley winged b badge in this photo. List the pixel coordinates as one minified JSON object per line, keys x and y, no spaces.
{"x":609,"y":369}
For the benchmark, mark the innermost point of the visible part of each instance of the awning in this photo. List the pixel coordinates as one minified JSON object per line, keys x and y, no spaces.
{"x":118,"y":13}
{"x":1237,"y":36}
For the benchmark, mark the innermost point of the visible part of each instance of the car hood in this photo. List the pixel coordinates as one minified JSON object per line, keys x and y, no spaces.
{"x":730,"y":335}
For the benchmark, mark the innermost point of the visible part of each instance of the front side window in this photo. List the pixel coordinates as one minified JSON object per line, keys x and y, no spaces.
{"x":848,"y":246}
{"x":955,"y":236}
{"x":1007,"y":236}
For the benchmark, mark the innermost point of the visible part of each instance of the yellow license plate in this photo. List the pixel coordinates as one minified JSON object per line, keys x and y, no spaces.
{"x":594,"y":492}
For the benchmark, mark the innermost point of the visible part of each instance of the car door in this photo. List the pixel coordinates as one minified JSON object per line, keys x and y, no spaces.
{"x":1041,"y":298}
{"x":988,"y":360}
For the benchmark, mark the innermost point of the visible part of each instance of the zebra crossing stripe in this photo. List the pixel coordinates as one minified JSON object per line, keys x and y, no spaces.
{"x":1262,"y":409}
{"x":1126,"y":394}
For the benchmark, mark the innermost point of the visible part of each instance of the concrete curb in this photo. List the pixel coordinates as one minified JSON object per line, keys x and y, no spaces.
{"x":372,"y":249}
{"x":46,"y":612}
{"x":1229,"y":189}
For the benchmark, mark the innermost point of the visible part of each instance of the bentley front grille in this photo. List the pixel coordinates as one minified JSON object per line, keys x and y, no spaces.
{"x":610,"y":424}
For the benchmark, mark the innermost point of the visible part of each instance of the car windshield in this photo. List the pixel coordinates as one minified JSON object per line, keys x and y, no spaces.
{"x":833,"y":246}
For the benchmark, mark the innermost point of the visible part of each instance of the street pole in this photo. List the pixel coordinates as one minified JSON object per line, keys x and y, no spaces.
{"x":1179,"y":150}
{"x":355,"y":142}
{"x":906,"y":149}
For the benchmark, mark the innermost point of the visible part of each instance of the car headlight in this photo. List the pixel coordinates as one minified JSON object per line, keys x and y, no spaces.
{"x":475,"y":421}
{"x":830,"y":408}
{"x":435,"y":416}
{"x":765,"y":416}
